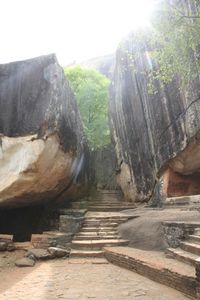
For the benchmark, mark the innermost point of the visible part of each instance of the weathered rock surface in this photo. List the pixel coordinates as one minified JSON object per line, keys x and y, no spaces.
{"x":50,"y":253}
{"x":70,"y":224}
{"x":25,"y":262}
{"x":3,"y":245}
{"x":39,"y":254}
{"x":151,"y":131}
{"x":43,"y":154}
{"x":59,"y":252}
{"x":104,"y":162}
{"x":6,"y":242}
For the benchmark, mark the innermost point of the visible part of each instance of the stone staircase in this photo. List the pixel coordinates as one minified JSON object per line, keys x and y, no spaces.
{"x":104,"y":201}
{"x":87,"y":227}
{"x":188,"y":250}
{"x":99,"y":228}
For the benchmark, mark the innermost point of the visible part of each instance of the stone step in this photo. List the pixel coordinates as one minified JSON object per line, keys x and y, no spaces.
{"x":108,"y":202}
{"x":95,"y":237}
{"x":86,"y":253}
{"x":71,"y":212}
{"x":181,"y":255}
{"x":76,"y":205}
{"x":109,"y":192}
{"x":97,"y":233}
{"x":177,"y":201}
{"x":190,"y":247}
{"x":6,"y":237}
{"x":23,"y":245}
{"x":111,"y":217}
{"x":48,"y":235}
{"x":194,"y":239}
{"x":183,"y":201}
{"x":97,"y":244}
{"x":109,"y":208}
{"x":103,"y":222}
{"x":99,"y":224}
{"x":99,"y":229}
{"x":197,"y":231}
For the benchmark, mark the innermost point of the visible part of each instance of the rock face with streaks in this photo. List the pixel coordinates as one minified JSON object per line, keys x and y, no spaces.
{"x":103,"y":168}
{"x":43,"y":153}
{"x":152,"y":132}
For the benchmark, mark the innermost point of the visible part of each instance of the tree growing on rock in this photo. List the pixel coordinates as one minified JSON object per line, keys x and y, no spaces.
{"x":176,"y":40}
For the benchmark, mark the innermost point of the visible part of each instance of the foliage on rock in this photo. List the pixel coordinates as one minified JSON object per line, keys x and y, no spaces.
{"x":176,"y":40}
{"x":172,"y":44}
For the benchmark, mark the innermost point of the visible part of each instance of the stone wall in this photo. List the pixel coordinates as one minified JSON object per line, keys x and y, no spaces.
{"x":175,"y":232}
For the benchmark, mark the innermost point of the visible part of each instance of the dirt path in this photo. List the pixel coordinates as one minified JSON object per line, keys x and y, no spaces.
{"x":80,"y":279}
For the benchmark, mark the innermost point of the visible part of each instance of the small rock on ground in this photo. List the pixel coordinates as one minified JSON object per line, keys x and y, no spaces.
{"x":58,"y":252}
{"x":3,"y":245}
{"x":39,"y":254}
{"x":25,"y":262}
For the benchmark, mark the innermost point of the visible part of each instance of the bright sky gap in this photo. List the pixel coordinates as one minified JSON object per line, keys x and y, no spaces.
{"x":75,"y":30}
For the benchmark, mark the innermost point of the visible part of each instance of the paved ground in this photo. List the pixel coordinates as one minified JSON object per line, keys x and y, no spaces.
{"x":80,"y":279}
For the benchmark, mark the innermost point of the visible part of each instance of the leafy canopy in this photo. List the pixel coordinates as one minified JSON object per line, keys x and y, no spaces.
{"x":176,"y":40}
{"x":172,"y":44}
{"x":91,"y":91}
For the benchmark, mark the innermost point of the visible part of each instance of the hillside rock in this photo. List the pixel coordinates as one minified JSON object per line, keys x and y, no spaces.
{"x":43,"y":153}
{"x":152,"y":132}
{"x":103,"y":64}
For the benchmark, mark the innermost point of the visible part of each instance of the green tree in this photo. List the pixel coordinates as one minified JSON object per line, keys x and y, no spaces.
{"x":91,"y":91}
{"x":176,"y":40}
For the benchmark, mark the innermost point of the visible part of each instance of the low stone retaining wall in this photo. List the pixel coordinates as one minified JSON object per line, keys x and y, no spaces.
{"x":184,"y":284}
{"x":198,"y":278}
{"x":175,"y":232}
{"x":71,"y":220}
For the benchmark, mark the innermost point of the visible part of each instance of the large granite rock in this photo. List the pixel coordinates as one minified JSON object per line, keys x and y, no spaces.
{"x":43,"y":154}
{"x":152,"y":132}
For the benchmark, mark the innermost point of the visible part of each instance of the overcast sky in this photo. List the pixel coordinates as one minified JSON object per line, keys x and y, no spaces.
{"x":73,"y":29}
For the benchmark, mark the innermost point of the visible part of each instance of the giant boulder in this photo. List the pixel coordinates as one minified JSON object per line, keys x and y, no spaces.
{"x":43,"y":153}
{"x":152,"y":132}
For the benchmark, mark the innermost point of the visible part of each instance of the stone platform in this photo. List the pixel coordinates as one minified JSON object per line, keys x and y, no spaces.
{"x":155,"y":266}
